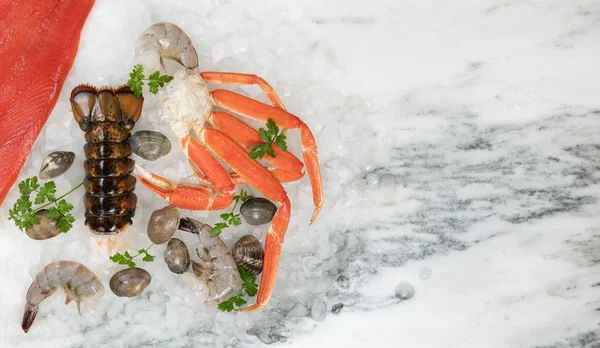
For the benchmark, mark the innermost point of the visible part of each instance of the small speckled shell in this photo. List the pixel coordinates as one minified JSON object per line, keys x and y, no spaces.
{"x":46,"y":229}
{"x":162,"y":224}
{"x":177,"y":256}
{"x":150,"y":145}
{"x":248,"y":254}
{"x":129,"y":282}
{"x":55,"y":164}
{"x":258,"y":211}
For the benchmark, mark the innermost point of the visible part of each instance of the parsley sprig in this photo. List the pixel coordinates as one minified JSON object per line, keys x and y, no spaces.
{"x":268,"y":136}
{"x":249,"y":286}
{"x":23,"y":213}
{"x":137,"y":78}
{"x":127,"y":259}
{"x":231,"y":219}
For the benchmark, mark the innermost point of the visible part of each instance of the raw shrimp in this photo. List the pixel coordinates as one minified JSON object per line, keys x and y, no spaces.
{"x":165,"y":40}
{"x":78,"y":282}
{"x":218,"y":270}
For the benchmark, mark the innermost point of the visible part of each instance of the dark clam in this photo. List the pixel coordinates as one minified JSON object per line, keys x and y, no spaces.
{"x":150,"y":145}
{"x":129,"y":282}
{"x":248,"y":254}
{"x":258,"y":211}
{"x":162,"y":224}
{"x":55,"y":164}
{"x":46,"y":229}
{"x":177,"y":256}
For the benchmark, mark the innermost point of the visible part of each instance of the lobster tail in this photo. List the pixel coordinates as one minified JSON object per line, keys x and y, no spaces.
{"x":107,"y":116}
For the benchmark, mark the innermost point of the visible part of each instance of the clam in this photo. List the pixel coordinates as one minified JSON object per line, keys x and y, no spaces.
{"x":55,"y":164}
{"x":129,"y":282}
{"x":248,"y":254}
{"x":177,"y":256}
{"x":149,"y":145}
{"x":162,"y":224}
{"x":258,"y":211}
{"x":46,"y":229}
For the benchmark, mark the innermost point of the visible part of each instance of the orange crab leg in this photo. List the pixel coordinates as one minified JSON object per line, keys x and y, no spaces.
{"x":214,"y":196}
{"x":273,"y":242}
{"x":259,"y":111}
{"x":243,"y":79}
{"x":264,"y":181}
{"x":289,"y":167}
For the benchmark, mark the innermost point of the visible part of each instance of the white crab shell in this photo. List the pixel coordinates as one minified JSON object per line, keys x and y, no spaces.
{"x":185,"y":100}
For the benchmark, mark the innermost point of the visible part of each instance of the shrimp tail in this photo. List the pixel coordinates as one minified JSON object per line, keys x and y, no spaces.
{"x":31,"y":311}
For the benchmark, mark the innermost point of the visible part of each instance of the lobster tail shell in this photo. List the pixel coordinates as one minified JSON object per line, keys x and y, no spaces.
{"x":107,"y":116}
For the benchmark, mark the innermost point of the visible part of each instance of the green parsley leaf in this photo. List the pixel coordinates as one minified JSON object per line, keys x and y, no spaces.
{"x":64,"y":207}
{"x":272,"y":126}
{"x":249,"y":282}
{"x":123,"y":259}
{"x":226,"y":306}
{"x":147,"y":256}
{"x":236,"y":220}
{"x":65,"y":223}
{"x":218,"y":228}
{"x":280,"y":141}
{"x":156,"y":80}
{"x":268,"y":137}
{"x":264,"y":136}
{"x":30,"y":220}
{"x":53,"y":213}
{"x":256,"y":151}
{"x":249,"y":286}
{"x":23,"y":213}
{"x":239,"y":301}
{"x":46,"y":192}
{"x":243,"y":196}
{"x":270,"y":151}
{"x":127,"y":259}
{"x":136,"y":80}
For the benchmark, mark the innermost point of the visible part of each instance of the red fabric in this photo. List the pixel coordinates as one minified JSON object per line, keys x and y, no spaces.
{"x":38,"y":44}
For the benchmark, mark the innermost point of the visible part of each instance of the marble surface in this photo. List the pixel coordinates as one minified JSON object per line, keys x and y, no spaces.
{"x":460,"y":153}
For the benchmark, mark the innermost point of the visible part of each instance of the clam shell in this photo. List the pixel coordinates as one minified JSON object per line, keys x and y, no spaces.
{"x":55,"y":164}
{"x":248,"y":253}
{"x":162,"y":224}
{"x":129,"y":282}
{"x":258,"y":211}
{"x":46,"y":229}
{"x":177,"y":256}
{"x":149,"y":145}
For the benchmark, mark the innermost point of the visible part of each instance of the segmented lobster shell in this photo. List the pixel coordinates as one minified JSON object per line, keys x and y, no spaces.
{"x":107,"y":116}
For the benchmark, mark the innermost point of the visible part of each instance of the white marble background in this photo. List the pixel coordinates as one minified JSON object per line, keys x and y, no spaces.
{"x":487,"y":114}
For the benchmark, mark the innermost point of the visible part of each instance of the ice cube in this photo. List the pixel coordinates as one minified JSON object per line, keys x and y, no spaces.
{"x":318,"y":311}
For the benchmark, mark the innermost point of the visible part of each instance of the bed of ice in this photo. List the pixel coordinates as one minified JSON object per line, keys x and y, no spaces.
{"x":257,"y":37}
{"x":458,"y":146}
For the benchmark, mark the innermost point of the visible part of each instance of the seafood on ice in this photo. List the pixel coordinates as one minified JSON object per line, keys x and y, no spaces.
{"x":79,"y":283}
{"x":217,"y":269}
{"x":107,"y":116}
{"x":187,"y":106}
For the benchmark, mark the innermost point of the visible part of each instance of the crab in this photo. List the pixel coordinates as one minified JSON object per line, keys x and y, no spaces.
{"x":188,"y":108}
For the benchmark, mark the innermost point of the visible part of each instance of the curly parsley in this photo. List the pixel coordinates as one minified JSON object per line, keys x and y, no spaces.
{"x":230,"y":219}
{"x":127,"y":259}
{"x":23,"y":213}
{"x":137,"y":78}
{"x":249,"y":286}
{"x":268,"y":137}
